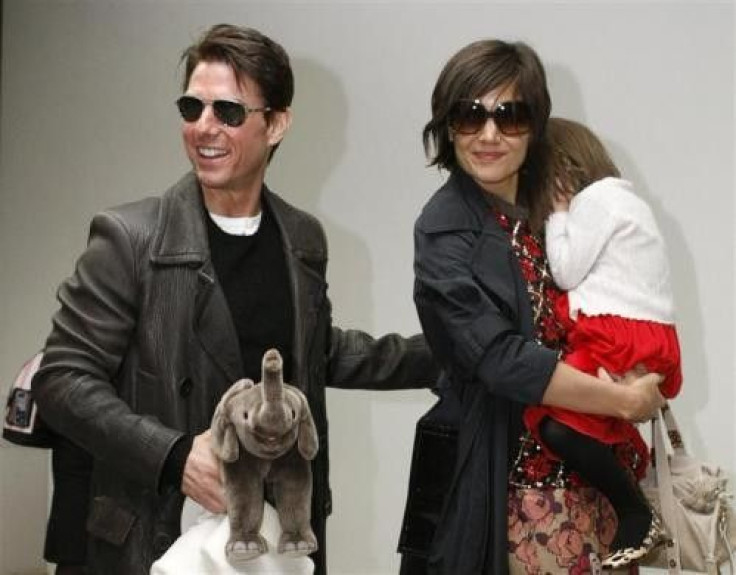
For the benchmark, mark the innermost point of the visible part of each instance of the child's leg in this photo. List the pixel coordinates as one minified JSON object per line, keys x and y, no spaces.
{"x":597,"y":464}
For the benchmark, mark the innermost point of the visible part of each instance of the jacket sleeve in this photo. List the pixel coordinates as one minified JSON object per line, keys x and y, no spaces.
{"x":360,"y":361}
{"x":466,"y":293}
{"x":91,"y":332}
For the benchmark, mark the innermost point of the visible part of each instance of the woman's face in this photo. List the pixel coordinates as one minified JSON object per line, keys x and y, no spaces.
{"x":491,"y":158}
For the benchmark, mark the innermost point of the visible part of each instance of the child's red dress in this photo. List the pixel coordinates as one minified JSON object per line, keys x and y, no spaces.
{"x":617,"y":344}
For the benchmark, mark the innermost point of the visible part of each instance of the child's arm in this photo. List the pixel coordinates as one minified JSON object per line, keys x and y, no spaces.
{"x":576,"y":238}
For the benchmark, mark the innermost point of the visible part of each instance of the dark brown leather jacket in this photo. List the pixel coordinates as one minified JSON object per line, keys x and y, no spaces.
{"x":143,"y":346}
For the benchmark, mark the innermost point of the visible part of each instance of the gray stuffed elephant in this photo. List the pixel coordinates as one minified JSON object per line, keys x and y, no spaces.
{"x":265,"y":433}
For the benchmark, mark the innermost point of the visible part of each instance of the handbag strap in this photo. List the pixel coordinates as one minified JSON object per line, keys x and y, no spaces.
{"x":673,"y":430}
{"x":723,"y":524}
{"x":663,"y":476}
{"x":664,"y":487}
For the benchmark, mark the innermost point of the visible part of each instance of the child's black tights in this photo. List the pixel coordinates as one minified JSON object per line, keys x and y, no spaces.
{"x":597,"y":464}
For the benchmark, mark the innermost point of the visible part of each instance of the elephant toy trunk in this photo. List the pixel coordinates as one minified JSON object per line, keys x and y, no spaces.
{"x":273,"y":378}
{"x":274,"y":417}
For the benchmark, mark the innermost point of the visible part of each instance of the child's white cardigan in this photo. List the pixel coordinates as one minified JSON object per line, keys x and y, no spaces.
{"x":608,"y":253}
{"x":201,"y":548}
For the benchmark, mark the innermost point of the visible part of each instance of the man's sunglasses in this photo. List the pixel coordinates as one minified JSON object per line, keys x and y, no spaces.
{"x":230,"y":113}
{"x":470,"y":116}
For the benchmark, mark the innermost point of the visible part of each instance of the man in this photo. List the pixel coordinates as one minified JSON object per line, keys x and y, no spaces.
{"x":177,"y":297}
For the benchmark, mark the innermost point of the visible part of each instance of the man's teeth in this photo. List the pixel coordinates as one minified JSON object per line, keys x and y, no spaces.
{"x":211,"y":152}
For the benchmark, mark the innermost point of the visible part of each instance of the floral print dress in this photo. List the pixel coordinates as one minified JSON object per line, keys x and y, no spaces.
{"x":555,"y":519}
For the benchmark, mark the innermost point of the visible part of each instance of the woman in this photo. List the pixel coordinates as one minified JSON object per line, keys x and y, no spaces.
{"x":485,"y":300}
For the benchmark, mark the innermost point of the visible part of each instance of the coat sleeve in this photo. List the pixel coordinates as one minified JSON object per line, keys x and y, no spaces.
{"x":90,"y":335}
{"x":360,"y":361}
{"x":465,"y":293}
{"x":354,"y":359}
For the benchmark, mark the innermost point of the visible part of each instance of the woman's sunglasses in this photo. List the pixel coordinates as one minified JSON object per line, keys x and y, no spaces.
{"x":230,"y":113}
{"x":470,"y":116}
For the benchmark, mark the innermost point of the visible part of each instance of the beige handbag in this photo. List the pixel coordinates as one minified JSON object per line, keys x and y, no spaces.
{"x":694,"y":504}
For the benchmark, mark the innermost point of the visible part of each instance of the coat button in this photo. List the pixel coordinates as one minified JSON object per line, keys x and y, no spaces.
{"x":185,"y":387}
{"x":161,"y":543}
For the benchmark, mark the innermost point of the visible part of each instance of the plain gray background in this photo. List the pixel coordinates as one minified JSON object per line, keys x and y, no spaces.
{"x":88,"y":121}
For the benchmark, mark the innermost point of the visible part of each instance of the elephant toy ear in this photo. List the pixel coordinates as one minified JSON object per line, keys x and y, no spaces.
{"x":239,"y":385}
{"x":224,"y":438}
{"x":307,"y":439}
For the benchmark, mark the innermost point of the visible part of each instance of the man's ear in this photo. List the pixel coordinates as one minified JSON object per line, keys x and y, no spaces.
{"x":278,"y":125}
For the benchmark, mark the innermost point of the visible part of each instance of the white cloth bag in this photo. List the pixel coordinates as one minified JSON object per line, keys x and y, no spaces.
{"x":200,"y":550}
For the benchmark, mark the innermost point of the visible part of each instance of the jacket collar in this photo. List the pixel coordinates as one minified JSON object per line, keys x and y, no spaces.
{"x":479,"y":202}
{"x":181,"y":234}
{"x":471,"y":193}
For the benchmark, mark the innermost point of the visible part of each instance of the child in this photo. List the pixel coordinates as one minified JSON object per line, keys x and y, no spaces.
{"x":605,"y":249}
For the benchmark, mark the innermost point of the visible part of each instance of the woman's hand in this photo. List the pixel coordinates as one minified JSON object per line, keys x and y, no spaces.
{"x":634,"y":397}
{"x":643,"y":397}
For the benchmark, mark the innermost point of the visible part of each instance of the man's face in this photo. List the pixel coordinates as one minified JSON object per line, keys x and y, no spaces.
{"x":225,"y":158}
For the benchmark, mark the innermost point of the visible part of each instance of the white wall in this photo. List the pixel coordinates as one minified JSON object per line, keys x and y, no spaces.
{"x":88,"y":121}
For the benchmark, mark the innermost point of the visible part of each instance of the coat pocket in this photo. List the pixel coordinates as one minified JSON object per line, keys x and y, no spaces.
{"x":109,"y":521}
{"x":430,"y":477}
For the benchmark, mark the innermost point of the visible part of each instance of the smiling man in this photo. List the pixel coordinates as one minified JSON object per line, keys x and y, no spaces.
{"x":178,"y":296}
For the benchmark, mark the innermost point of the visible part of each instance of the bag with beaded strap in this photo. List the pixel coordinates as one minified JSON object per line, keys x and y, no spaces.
{"x":694,"y":503}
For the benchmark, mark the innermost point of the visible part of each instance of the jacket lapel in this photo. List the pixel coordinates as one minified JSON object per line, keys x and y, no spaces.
{"x":306,"y":261}
{"x":181,"y":240}
{"x":213,"y":325}
{"x":493,"y":262}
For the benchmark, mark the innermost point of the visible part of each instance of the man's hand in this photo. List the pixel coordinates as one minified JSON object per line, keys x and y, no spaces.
{"x":201,"y":481}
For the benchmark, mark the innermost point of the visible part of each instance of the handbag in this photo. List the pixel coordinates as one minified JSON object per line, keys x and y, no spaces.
{"x":22,"y":424}
{"x":692,"y":499}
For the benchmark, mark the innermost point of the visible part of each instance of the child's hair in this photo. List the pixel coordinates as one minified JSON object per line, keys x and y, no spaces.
{"x":575,"y":157}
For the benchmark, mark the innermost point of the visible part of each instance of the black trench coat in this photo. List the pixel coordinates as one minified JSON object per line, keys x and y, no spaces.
{"x":476,"y":314}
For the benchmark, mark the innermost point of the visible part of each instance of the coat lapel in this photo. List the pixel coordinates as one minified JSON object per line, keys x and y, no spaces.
{"x":306,"y":260}
{"x":493,"y":262}
{"x":213,"y":325}
{"x":181,"y":240}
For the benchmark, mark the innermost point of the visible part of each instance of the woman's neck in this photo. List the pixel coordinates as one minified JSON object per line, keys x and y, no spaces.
{"x":505,"y":191}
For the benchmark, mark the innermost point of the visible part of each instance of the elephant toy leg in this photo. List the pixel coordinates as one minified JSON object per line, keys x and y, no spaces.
{"x":293,"y":494}
{"x":244,"y":486}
